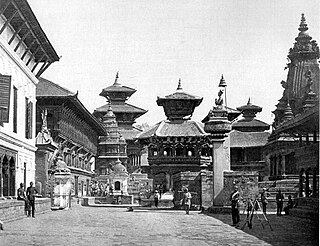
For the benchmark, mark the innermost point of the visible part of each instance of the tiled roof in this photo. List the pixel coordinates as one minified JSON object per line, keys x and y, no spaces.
{"x":27,"y":16}
{"x":129,"y":134}
{"x":118,"y":88}
{"x":181,"y":95}
{"x":116,"y":108}
{"x":250,"y":107}
{"x":175,"y":129}
{"x":248,"y":139}
{"x":250,"y":124}
{"x":48,"y":88}
{"x":232,"y":114}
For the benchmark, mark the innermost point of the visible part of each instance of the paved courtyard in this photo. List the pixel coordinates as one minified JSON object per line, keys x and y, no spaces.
{"x":116,"y":226}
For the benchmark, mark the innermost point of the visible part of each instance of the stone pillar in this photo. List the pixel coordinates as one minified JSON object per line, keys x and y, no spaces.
{"x":206,"y":188}
{"x":168,"y":181}
{"x":43,"y":154}
{"x":46,"y":152}
{"x":314,"y":184}
{"x":307,"y":189}
{"x":218,"y":126}
{"x":283,"y":165}
{"x":1,"y":181}
{"x":219,"y":166}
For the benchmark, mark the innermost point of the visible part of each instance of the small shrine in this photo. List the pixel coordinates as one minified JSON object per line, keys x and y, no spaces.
{"x":118,"y":178}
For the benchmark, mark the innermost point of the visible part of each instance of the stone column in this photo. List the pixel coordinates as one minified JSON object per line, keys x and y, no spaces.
{"x":283,"y":165}
{"x":1,"y":181}
{"x":168,"y":181}
{"x":218,"y":126}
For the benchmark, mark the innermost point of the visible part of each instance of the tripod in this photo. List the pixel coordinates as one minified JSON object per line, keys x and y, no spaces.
{"x":252,"y":208}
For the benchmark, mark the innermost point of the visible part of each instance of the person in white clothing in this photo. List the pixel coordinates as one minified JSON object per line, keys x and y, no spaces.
{"x":187,"y":200}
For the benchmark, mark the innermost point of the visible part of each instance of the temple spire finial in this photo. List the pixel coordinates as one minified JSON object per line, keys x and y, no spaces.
{"x":303,"y":24}
{"x":249,"y":102}
{"x":116,"y":80}
{"x":179,"y":85}
{"x":222,"y":82}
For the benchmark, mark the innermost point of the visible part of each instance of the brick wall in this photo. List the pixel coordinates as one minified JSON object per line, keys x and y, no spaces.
{"x":14,"y":209}
{"x":247,"y":181}
{"x":206,"y":189}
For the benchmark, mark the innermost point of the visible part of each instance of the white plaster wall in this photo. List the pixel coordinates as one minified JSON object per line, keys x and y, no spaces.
{"x":25,"y":82}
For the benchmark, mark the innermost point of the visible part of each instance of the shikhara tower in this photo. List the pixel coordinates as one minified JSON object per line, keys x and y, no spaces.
{"x":293,"y":146}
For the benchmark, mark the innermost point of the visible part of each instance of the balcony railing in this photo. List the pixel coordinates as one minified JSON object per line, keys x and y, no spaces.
{"x":176,"y":159}
{"x":248,"y":165}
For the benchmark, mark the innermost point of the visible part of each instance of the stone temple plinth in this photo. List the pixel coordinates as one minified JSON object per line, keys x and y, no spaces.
{"x":62,"y":187}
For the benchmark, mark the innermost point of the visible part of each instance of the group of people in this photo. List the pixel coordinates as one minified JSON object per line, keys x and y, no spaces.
{"x":235,"y":204}
{"x":279,"y":202}
{"x":28,"y":197}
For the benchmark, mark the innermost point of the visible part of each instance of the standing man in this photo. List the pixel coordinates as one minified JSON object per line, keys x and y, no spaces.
{"x":235,"y":206}
{"x":31,"y":193}
{"x":187,"y":200}
{"x":279,"y":200}
{"x":22,"y":197}
{"x":156,"y":198}
{"x":264,"y":200}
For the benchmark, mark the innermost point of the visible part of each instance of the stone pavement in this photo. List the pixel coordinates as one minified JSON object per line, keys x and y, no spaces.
{"x":116,"y":226}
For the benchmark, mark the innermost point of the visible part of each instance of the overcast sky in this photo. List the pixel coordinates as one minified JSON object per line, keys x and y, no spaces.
{"x":153,"y":43}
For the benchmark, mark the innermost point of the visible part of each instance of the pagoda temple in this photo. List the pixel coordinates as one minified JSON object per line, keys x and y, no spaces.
{"x":176,"y":144}
{"x":247,"y":140}
{"x":125,"y":114}
{"x":293,"y":147}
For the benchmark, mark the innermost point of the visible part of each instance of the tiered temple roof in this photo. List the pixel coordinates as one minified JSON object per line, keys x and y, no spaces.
{"x":248,"y":131}
{"x":125,"y":113}
{"x":179,"y":105}
{"x":248,"y":123}
{"x":178,"y":108}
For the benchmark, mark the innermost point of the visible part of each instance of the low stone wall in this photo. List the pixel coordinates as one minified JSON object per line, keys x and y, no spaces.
{"x":14,"y":209}
{"x":163,"y":203}
{"x":114,"y":199}
{"x":125,"y":199}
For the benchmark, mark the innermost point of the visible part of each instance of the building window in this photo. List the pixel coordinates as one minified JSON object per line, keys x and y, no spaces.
{"x":5,"y":86}
{"x":15,"y":108}
{"x":117,"y":185}
{"x":179,"y":151}
{"x":29,"y":110}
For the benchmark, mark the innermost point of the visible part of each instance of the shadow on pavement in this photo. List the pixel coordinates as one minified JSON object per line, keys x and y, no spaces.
{"x":287,"y":230}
